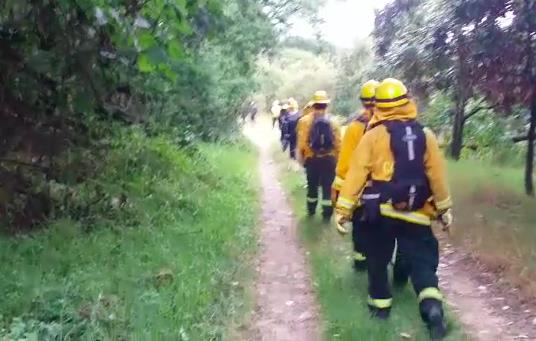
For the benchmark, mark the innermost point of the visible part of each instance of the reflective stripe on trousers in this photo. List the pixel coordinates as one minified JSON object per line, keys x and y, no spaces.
{"x":432,"y":293}
{"x":358,"y":256}
{"x":380,"y":303}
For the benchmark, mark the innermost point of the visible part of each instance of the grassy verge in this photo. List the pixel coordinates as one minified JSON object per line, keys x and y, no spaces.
{"x":495,"y":219}
{"x":164,"y":262}
{"x":341,"y":292}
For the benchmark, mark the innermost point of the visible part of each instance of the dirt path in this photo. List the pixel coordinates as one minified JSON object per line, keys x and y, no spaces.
{"x":488,"y":309}
{"x":285,"y":304}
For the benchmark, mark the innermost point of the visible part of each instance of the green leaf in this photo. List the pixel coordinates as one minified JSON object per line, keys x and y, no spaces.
{"x":175,"y":50}
{"x":146,"y":41}
{"x":184,"y":27}
{"x":144,"y":64}
{"x":168,"y":72}
{"x":157,"y":55}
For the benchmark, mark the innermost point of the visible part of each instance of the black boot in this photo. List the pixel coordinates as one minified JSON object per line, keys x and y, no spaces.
{"x":432,"y":315}
{"x":379,"y":313}
{"x":360,"y":262}
{"x":327,"y":213}
{"x":311,"y":208}
{"x":360,"y":265}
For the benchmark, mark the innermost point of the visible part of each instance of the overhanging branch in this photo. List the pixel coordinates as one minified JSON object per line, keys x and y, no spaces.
{"x":477,"y":110}
{"x":520,"y":138}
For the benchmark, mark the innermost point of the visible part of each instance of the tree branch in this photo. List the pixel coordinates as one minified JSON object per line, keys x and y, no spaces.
{"x":24,"y":164}
{"x":520,"y":138}
{"x":476,"y":111}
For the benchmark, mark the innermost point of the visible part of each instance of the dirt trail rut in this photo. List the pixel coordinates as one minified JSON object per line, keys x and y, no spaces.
{"x":285,"y":304}
{"x":488,"y":310}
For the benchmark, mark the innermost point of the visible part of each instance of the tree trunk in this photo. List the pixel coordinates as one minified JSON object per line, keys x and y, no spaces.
{"x":529,"y":164}
{"x":456,"y":145}
{"x":529,"y":71}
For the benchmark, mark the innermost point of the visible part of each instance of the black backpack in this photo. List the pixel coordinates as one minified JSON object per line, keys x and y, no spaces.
{"x":292,"y":123}
{"x":321,"y":139}
{"x":409,"y":188}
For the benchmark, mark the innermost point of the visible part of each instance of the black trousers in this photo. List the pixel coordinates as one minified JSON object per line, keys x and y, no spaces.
{"x":320,"y":173}
{"x":420,"y":256}
{"x":360,"y":235}
{"x":292,"y":146}
{"x":360,"y":228}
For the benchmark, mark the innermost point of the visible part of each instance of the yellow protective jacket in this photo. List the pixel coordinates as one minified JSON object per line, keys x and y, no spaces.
{"x":353,"y":134}
{"x":304,"y":128}
{"x":373,"y":157}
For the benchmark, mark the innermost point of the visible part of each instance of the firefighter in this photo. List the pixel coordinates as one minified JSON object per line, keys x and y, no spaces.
{"x":293,"y":117}
{"x":318,"y":147}
{"x":408,"y":189}
{"x":354,"y":132}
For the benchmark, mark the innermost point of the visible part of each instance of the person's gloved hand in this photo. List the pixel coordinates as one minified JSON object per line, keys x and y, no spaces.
{"x":342,"y":223}
{"x":446,"y":219}
{"x":300,"y":159}
{"x":334,"y":195}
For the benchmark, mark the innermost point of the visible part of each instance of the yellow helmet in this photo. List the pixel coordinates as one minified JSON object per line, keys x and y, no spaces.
{"x":391,"y":93}
{"x":320,"y":97}
{"x":368,"y":91}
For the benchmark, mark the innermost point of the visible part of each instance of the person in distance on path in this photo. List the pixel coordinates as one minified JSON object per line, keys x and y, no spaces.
{"x":291,"y":126}
{"x":408,"y":190}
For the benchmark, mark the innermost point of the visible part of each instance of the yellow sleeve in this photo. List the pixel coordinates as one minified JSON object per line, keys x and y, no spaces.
{"x":301,"y":136}
{"x":434,"y":163}
{"x":353,"y":134}
{"x":337,"y":133}
{"x":356,"y":178}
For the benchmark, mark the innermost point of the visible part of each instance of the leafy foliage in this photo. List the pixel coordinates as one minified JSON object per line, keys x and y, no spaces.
{"x":479,"y":53}
{"x":71,"y":68}
{"x":297,"y":73}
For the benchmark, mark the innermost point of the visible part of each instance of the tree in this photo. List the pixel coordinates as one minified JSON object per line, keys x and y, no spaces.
{"x":353,"y":69}
{"x":423,"y":43}
{"x":503,"y":48}
{"x":295,"y":73}
{"x":74,"y":70}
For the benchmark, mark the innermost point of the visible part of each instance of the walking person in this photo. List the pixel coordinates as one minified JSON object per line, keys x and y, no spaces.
{"x":318,"y":148}
{"x":293,"y":117}
{"x":408,"y":188}
{"x":352,"y":136}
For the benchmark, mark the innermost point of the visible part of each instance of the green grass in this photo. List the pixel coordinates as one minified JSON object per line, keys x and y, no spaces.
{"x":341,"y":292}
{"x":169,"y":265}
{"x":495,"y":219}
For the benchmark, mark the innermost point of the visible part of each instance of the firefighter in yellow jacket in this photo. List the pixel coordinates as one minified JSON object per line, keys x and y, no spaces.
{"x":407,"y":190}
{"x":354,"y":132}
{"x":318,"y":147}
